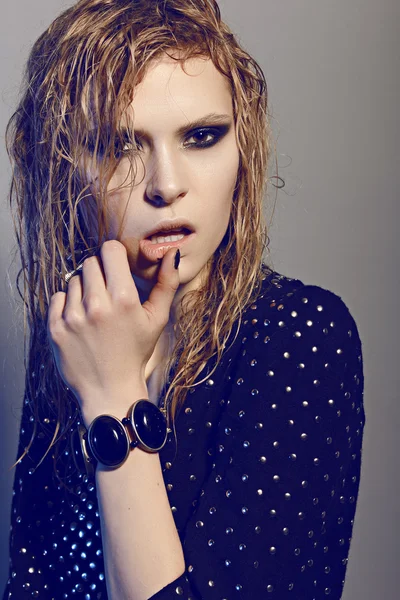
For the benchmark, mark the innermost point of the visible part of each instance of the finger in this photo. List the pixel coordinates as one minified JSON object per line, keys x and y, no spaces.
{"x":93,"y":282}
{"x":161,"y":296}
{"x":117,"y":272}
{"x":54,"y":316}
{"x":74,"y":293}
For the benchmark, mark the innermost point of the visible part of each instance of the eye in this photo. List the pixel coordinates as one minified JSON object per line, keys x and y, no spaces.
{"x":206,"y":137}
{"x":125,"y":146}
{"x":122,"y":146}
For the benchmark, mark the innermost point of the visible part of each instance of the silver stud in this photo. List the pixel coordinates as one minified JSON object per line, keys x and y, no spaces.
{"x":294,"y":313}
{"x":309,"y":323}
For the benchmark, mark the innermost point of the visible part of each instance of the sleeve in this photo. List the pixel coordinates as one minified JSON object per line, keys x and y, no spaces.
{"x":29,"y":540}
{"x":275,"y":515}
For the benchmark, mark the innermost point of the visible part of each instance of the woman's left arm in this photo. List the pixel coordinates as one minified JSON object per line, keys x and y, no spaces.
{"x":102,"y":339}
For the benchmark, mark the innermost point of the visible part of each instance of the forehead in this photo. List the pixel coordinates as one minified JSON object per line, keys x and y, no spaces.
{"x":171,"y":88}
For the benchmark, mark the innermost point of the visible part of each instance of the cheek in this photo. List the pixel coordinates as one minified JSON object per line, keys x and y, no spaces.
{"x":222,"y":176}
{"x":226,"y":167}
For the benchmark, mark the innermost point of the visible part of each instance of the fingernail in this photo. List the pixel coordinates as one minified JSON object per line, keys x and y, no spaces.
{"x":177,"y":258}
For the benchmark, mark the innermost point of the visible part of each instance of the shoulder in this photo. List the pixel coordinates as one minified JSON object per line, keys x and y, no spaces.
{"x":298,"y":313}
{"x":299,"y":363}
{"x":298,"y":338}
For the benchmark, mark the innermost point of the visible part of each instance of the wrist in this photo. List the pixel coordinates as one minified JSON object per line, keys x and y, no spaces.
{"x":115,"y":402}
{"x":108,"y":440}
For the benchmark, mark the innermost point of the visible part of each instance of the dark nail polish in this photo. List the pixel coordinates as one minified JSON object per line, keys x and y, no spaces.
{"x":177,"y":258}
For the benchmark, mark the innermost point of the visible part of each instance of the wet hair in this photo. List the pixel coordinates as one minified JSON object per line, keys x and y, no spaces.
{"x":79,"y":81}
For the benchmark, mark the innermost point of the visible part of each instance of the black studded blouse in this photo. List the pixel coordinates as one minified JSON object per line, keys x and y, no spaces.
{"x":262,"y":484}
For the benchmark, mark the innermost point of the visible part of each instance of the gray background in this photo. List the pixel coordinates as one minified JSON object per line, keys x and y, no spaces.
{"x":334,"y":94}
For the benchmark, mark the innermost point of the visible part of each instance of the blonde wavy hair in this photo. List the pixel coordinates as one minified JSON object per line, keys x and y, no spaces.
{"x":79,"y":80}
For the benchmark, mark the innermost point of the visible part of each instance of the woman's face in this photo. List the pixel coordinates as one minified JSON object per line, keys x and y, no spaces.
{"x":190,"y":166}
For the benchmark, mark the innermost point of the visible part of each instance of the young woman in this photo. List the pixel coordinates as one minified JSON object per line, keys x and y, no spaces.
{"x":193,"y":420}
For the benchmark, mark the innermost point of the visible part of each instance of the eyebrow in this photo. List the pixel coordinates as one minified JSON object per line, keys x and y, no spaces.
{"x":210,"y":119}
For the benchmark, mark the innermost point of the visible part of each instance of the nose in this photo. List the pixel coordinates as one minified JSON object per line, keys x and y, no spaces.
{"x":167,"y":178}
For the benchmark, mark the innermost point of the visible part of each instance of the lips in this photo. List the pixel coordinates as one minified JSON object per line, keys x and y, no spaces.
{"x":166,"y":232}
{"x":156,"y":251}
{"x":169,"y":227}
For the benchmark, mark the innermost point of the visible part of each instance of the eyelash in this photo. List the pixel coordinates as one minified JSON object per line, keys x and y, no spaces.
{"x":216,"y":132}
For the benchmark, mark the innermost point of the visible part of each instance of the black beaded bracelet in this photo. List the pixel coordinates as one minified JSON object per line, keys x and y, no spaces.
{"x":109,"y":439}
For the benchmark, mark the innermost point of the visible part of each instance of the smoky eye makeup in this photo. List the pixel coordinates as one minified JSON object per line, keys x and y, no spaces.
{"x":122,"y":144}
{"x":203,"y":135}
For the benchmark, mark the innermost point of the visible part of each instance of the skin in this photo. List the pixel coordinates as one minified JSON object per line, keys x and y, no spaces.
{"x":115,"y":324}
{"x":180,"y":181}
{"x":105,"y":330}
